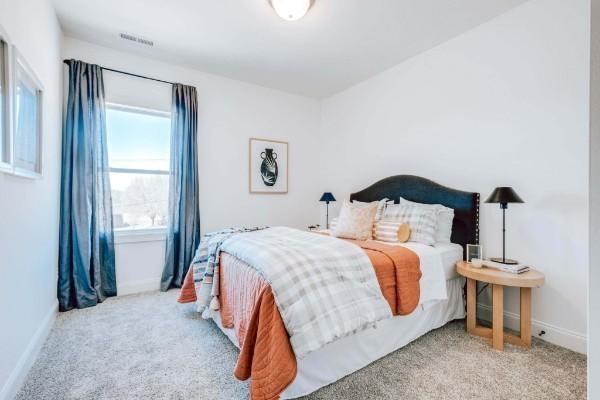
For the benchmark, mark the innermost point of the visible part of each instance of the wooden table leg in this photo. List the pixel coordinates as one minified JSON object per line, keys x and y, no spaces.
{"x":497,"y":317}
{"x":471,"y":304}
{"x":526,"y":316}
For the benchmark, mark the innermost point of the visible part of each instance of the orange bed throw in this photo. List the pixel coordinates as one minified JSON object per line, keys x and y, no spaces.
{"x":248,"y":306}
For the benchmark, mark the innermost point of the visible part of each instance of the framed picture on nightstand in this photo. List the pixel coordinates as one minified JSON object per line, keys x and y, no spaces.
{"x":474,"y":251}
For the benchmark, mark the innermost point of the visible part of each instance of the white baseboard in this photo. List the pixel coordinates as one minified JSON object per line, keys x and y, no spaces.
{"x":147,"y":285}
{"x":553,"y":334}
{"x":20,"y":371}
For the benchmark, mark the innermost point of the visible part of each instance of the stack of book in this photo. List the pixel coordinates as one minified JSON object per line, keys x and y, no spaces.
{"x":511,"y":268}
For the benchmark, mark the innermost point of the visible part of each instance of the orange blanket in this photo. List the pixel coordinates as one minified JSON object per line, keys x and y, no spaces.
{"x":248,"y":306}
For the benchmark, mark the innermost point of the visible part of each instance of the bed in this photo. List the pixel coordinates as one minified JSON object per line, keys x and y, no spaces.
{"x":441,"y":300}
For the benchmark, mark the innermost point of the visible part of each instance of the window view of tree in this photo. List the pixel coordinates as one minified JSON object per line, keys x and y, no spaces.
{"x":142,"y":203}
{"x":138,"y":152}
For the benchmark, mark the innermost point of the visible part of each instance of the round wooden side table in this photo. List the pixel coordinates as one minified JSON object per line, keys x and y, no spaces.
{"x":498,"y":279}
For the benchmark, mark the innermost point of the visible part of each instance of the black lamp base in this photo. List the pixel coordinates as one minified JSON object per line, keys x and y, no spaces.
{"x":504,"y":261}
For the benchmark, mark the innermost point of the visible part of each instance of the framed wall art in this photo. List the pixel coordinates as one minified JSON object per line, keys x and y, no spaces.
{"x":268,"y":166}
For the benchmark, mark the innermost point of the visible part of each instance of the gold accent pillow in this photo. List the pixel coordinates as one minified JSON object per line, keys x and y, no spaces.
{"x":356,"y":221}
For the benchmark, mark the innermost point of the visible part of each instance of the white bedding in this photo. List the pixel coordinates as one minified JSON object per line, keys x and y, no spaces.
{"x":441,"y":301}
{"x":436,"y":261}
{"x":295,"y":263}
{"x":451,"y":254}
{"x":438,"y":265}
{"x":347,"y":355}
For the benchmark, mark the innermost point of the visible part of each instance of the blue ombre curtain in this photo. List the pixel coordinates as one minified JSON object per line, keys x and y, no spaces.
{"x":86,"y":264}
{"x":183,"y":233}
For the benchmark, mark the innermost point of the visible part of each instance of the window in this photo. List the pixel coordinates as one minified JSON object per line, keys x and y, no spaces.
{"x":27,"y":140}
{"x":5,"y":143}
{"x":138,"y":142}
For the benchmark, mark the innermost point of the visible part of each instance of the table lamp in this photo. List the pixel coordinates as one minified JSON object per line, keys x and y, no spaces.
{"x":327,"y":197}
{"x":504,"y":195}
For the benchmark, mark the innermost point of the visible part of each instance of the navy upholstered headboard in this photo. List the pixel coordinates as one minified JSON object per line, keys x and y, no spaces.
{"x":465,"y":228}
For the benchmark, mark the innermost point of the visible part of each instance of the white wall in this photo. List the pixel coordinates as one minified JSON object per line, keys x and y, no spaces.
{"x":230,"y":112}
{"x":29,"y":209}
{"x":503,"y":104}
{"x":594,"y":275}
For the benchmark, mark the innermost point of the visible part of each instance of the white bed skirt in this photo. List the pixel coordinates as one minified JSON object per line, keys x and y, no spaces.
{"x":348,"y":355}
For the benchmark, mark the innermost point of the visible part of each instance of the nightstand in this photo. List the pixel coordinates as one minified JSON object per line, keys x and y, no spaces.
{"x":498,"y":279}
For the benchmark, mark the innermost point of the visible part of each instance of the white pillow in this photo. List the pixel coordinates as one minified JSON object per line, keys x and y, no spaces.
{"x":380,"y":206}
{"x":422,"y":221}
{"x":355,"y":221}
{"x":445,"y":217}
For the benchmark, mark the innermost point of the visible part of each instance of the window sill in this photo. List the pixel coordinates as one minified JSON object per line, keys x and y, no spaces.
{"x":140,"y":235}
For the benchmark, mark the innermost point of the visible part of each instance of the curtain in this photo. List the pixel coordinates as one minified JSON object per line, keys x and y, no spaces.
{"x":183,"y":231}
{"x":86,"y":265}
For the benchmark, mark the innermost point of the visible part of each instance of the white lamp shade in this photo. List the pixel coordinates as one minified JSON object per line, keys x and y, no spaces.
{"x":291,"y":10}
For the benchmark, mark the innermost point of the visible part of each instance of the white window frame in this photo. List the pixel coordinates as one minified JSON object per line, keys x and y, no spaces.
{"x":136,"y":235}
{"x":6,"y":130}
{"x":20,"y":66}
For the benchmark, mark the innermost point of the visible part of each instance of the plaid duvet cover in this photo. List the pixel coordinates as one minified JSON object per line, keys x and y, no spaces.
{"x":325,"y":288}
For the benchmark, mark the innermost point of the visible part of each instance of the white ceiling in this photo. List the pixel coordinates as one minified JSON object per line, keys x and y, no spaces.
{"x":336,"y":45}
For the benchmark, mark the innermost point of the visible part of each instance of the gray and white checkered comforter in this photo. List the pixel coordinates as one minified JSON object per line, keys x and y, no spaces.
{"x":325,"y":288}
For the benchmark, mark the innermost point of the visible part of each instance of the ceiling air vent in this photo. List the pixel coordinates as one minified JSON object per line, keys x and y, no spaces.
{"x":145,"y":41}
{"x":136,"y":39}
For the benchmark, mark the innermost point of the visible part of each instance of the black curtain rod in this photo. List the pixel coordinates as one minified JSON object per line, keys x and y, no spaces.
{"x":128,"y":73}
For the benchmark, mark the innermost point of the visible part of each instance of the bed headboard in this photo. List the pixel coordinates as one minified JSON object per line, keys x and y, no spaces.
{"x":465,"y":228}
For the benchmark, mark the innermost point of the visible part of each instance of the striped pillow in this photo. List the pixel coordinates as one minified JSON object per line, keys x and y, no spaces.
{"x":391,"y":231}
{"x":445,"y":217}
{"x":422,"y":221}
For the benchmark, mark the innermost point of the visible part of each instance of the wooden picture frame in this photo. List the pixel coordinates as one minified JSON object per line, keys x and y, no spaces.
{"x":268,"y":162}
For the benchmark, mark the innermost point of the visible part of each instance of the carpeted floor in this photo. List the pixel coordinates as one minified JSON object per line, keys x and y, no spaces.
{"x":149,"y":347}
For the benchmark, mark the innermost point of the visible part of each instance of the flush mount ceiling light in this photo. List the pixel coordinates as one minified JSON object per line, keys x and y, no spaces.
{"x":291,"y":10}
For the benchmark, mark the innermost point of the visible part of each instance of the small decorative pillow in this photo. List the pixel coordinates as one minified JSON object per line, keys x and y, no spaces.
{"x":391,"y":231}
{"x":422,"y":221}
{"x":355,"y":221}
{"x":382,"y":204}
{"x":445,"y":217}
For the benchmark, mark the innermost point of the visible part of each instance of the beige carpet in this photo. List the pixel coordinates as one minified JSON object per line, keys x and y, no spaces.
{"x":149,"y":347}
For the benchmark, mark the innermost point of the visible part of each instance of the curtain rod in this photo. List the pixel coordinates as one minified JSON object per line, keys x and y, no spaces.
{"x":128,"y":73}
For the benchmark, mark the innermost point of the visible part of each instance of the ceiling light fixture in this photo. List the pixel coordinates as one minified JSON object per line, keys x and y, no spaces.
{"x":291,"y":10}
